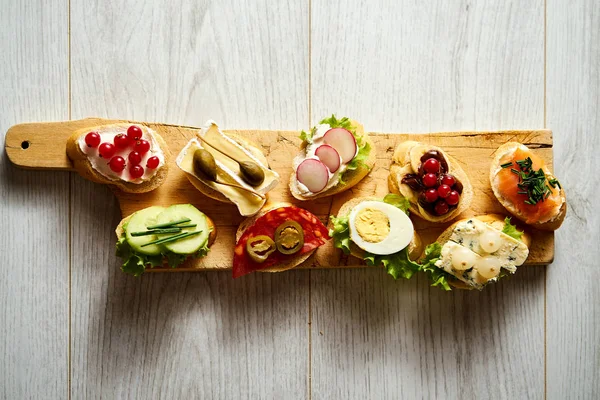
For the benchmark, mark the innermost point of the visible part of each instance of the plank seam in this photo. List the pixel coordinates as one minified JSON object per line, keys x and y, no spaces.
{"x":309,"y":271}
{"x":70,"y":219}
{"x":545,"y":268}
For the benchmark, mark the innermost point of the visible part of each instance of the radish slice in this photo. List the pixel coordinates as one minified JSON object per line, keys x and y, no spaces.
{"x":313,"y":174}
{"x":343,"y":142}
{"x":329,"y":156}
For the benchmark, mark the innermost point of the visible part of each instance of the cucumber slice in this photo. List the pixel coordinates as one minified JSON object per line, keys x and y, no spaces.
{"x":191,"y":244}
{"x":138,"y":223}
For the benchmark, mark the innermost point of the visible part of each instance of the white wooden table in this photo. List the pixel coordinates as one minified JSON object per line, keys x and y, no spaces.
{"x":73,"y":326}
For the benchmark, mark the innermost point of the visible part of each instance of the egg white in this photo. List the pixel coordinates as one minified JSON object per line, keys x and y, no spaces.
{"x":401,"y":229}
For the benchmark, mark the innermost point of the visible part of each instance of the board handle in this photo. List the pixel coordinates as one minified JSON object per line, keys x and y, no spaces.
{"x":43,"y":145}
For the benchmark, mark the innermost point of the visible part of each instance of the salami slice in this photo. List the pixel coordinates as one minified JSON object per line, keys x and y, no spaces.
{"x":315,"y":235}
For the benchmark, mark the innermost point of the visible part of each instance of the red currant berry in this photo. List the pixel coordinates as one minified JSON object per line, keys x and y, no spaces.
{"x":448,"y":180}
{"x":152,"y":162}
{"x":117,"y":164}
{"x":431,"y":165}
{"x":444,"y":191}
{"x":136,"y":171}
{"x":107,"y":150}
{"x":441,"y":207}
{"x":141,"y":146}
{"x":122,"y":141}
{"x":92,"y":139}
{"x":453,"y":198}
{"x":134,"y":132}
{"x":430,"y":180}
{"x":134,"y":158}
{"x":431,"y":195}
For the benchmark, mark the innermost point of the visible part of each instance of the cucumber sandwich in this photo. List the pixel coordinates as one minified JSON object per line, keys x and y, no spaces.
{"x":156,"y":236}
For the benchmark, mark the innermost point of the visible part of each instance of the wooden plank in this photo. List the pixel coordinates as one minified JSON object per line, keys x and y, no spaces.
{"x":474,"y":150}
{"x":421,"y":67}
{"x":573,"y":314}
{"x":184,"y":335}
{"x":34,"y":287}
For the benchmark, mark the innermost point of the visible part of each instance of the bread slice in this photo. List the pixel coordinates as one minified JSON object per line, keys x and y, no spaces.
{"x":293,"y":261}
{"x":555,"y":222}
{"x":494,"y":220}
{"x":83,"y":166}
{"x":351,"y":178}
{"x":415,"y":248}
{"x":248,"y":145}
{"x":119,"y":231}
{"x":406,"y":159}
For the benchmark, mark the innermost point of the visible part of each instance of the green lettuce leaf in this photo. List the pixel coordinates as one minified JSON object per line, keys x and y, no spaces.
{"x":332,"y":121}
{"x":438,"y":276}
{"x":397,"y":264}
{"x":511,"y":230}
{"x":397,"y":201}
{"x":307,"y":136}
{"x":340,"y":233}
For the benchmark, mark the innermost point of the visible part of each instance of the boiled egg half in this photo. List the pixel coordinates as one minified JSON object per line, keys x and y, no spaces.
{"x":380,"y":228}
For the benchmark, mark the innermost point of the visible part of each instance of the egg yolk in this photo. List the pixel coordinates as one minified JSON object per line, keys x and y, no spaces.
{"x":372,"y":225}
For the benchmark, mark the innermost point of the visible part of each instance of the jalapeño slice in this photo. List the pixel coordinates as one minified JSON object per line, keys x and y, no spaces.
{"x":289,"y":237}
{"x":260,"y":247}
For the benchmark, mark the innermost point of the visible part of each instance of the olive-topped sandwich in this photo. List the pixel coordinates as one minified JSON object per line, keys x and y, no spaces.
{"x":433,"y":182}
{"x":280,"y":237}
{"x":228,"y":168}
{"x":159,"y":236}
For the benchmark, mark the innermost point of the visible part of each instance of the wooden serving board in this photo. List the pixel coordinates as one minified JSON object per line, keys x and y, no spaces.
{"x":43,"y":146}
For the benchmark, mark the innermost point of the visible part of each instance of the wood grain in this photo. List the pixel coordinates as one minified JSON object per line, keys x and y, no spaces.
{"x":473,"y":150}
{"x":573,"y":337}
{"x":34,"y":273}
{"x":426,"y":66}
{"x":167,"y":336}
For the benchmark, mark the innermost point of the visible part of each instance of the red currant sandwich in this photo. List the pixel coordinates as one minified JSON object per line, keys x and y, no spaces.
{"x":280,"y":237}
{"x":159,"y":236}
{"x":335,"y":155}
{"x":526,"y":187}
{"x":378,"y":232}
{"x":228,"y":168}
{"x":476,"y":251}
{"x":131,"y":157}
{"x":433,"y":182}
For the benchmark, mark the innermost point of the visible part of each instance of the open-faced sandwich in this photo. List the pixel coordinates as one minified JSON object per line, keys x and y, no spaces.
{"x":379,"y":232}
{"x":525,"y":186}
{"x":228,"y":168}
{"x":159,"y":236}
{"x":280,"y":237}
{"x":476,"y":251}
{"x":131,"y":157}
{"x":335,"y":155}
{"x":433,"y":182}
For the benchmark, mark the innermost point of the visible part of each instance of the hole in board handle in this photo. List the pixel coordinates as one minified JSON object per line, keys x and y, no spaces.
{"x":25,"y":144}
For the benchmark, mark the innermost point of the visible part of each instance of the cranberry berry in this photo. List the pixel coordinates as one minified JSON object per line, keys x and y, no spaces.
{"x":141,"y":146}
{"x":448,"y":180}
{"x":441,"y":207}
{"x":431,"y":195}
{"x":92,"y":139}
{"x":444,"y":191}
{"x":431,"y":166}
{"x":152,"y":162}
{"x":430,"y":180}
{"x":453,"y":198}
{"x":107,"y":150}
{"x":134,"y":133}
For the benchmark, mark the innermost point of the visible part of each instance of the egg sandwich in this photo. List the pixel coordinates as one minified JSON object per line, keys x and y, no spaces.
{"x":380,"y":232}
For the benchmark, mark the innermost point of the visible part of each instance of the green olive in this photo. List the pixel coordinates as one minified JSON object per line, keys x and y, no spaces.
{"x":289,"y":237}
{"x":205,"y":165}
{"x":251,"y":173}
{"x":260,"y":247}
